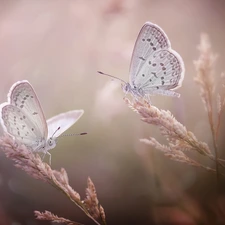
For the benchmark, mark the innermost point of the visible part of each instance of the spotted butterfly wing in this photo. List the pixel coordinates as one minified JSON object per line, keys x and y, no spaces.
{"x":162,"y":72}
{"x":151,"y":38}
{"x":17,"y":124}
{"x":23,"y":117}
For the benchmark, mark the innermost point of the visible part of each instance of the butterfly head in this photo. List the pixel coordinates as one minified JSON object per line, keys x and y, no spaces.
{"x":51,"y":143}
{"x":126,"y":87}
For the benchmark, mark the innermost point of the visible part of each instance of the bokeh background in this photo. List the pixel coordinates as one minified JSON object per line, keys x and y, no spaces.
{"x":58,"y":45}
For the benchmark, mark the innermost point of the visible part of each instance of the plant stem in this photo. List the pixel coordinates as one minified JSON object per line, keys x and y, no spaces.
{"x":79,"y":204}
{"x":210,"y":116}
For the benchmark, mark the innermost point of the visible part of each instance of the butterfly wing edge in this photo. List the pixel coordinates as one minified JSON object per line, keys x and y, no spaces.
{"x":73,"y":114}
{"x":182,"y":68}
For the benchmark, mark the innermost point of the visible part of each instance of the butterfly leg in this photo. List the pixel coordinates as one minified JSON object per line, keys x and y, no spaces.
{"x":44,"y":153}
{"x":147,"y":99}
{"x":134,"y":99}
{"x":125,"y":94}
{"x":50,"y":157}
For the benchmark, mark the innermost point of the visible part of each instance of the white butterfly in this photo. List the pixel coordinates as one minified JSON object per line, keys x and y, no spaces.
{"x":22,"y":117}
{"x":155,"y":67}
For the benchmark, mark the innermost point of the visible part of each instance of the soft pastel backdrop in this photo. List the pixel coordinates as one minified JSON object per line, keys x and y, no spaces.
{"x":58,"y":45}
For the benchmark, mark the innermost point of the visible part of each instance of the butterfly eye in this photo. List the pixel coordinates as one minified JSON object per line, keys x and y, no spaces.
{"x":50,"y":142}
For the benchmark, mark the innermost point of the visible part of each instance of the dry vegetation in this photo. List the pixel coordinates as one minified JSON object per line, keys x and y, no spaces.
{"x":36,"y":168}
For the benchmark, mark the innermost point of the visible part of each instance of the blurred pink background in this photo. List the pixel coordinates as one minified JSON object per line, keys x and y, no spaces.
{"x":58,"y":45}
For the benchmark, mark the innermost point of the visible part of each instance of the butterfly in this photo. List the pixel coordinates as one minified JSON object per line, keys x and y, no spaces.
{"x":22,"y":117}
{"x":155,"y":67}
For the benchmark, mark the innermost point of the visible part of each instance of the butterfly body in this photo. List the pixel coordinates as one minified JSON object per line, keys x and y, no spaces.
{"x":22,"y":118}
{"x":48,"y":145}
{"x":45,"y":145}
{"x":132,"y":89}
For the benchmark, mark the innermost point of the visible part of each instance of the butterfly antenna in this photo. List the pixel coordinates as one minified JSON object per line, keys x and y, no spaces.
{"x":55,"y":131}
{"x":83,"y":133}
{"x":105,"y":74}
